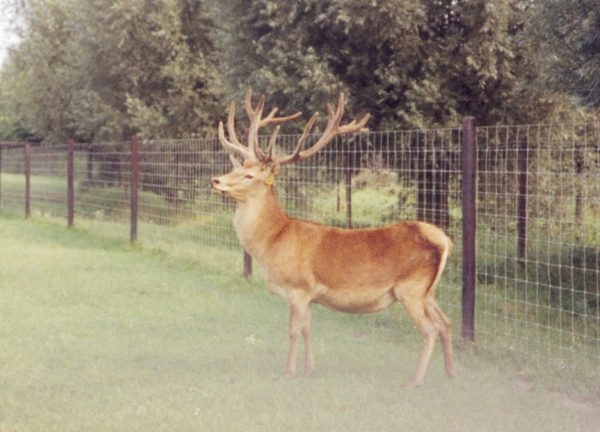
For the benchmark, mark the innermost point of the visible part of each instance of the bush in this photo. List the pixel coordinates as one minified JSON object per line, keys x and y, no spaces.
{"x":567,"y":278}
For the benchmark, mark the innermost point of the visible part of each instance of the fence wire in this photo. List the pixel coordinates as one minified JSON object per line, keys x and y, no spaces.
{"x":539,"y":242}
{"x":538,"y":215}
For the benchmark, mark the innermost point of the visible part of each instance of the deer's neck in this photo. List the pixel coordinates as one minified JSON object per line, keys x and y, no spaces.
{"x":258,"y":220}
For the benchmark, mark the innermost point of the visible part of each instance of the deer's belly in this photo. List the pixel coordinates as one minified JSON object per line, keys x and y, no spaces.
{"x":356,"y":302}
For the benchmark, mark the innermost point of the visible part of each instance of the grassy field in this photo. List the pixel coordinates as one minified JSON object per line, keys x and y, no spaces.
{"x":98,"y":335}
{"x":544,"y":317}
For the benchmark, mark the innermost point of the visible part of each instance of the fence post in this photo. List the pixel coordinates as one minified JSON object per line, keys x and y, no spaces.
{"x":1,"y":177}
{"x":579,"y":171}
{"x":348,"y":191}
{"x":247,"y":265}
{"x":70,"y":189}
{"x":469,"y":226}
{"x":27,"y":154}
{"x":176,"y":194}
{"x":522,"y":163}
{"x":135,"y":166}
{"x":89,"y":168}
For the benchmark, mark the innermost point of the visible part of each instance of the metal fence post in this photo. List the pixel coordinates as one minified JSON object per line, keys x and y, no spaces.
{"x":469,"y":226}
{"x":27,"y":154}
{"x":135,"y":166}
{"x":70,"y":189}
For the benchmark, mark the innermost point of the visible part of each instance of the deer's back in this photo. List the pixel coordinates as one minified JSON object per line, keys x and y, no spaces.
{"x":376,"y":259}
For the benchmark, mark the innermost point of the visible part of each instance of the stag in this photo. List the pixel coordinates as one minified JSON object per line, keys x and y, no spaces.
{"x":348,"y":270}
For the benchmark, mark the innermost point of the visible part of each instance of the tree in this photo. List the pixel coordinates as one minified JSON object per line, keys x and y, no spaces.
{"x":302,"y":53}
{"x":569,"y":34}
{"x":417,"y":63}
{"x":97,"y":69}
{"x":12,"y":127}
{"x":411,"y":64}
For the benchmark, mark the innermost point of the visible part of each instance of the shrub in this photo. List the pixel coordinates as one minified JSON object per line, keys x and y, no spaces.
{"x":567,"y":278}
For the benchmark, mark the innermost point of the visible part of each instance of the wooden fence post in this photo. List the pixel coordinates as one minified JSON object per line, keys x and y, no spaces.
{"x":89,"y":168}
{"x":579,"y":159}
{"x":27,"y":155}
{"x":1,"y":177}
{"x":247,"y":265}
{"x":70,"y":188}
{"x":469,"y":227}
{"x":523,"y":157}
{"x":135,"y":166}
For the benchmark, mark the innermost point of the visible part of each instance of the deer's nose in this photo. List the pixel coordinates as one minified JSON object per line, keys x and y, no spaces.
{"x":215,"y":181}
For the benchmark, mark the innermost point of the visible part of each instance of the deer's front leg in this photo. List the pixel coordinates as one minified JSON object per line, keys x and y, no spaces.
{"x":299,"y":303}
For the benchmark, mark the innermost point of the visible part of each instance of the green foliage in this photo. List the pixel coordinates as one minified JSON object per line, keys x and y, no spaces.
{"x":94,"y":70}
{"x":12,"y":126}
{"x":100,"y":69}
{"x":410,"y":64}
{"x":565,"y":279}
{"x":374,"y":193}
{"x":569,"y":33}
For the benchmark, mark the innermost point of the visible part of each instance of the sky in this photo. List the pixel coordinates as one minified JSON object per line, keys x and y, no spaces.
{"x":7,"y":36}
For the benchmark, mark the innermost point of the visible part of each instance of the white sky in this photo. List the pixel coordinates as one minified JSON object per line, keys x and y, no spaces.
{"x":7,"y":36}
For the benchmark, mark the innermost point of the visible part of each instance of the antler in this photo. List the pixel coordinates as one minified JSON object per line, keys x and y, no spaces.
{"x":253,"y":150}
{"x":233,"y":146}
{"x":256,"y":122}
{"x":332,"y":129}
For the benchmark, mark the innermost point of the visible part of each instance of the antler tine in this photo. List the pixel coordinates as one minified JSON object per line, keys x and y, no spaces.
{"x":353,"y":126}
{"x":271,"y":119}
{"x":271,"y":115}
{"x":254,"y":116}
{"x":272,"y":141}
{"x":232,"y":147}
{"x":248,"y":101}
{"x":340,"y":107}
{"x":231,"y":125}
{"x":250,"y":110}
{"x":296,"y":153}
{"x":236,"y":163}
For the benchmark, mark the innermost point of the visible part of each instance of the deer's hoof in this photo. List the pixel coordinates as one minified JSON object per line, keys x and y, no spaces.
{"x":309,"y":373}
{"x":415,"y":383}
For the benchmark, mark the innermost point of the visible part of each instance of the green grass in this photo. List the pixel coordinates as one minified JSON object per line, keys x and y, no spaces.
{"x":98,"y":335}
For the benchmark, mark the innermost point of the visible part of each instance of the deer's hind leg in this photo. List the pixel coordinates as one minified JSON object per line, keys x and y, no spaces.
{"x":429,"y":330}
{"x":444,"y":324}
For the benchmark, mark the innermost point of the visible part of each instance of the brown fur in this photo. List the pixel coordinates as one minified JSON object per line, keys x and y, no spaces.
{"x":357,"y":271}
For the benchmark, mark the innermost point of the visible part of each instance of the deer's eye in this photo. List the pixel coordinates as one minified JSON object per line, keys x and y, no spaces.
{"x":249,"y":176}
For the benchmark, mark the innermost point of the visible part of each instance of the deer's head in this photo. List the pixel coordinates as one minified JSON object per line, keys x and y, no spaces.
{"x":259,"y":168}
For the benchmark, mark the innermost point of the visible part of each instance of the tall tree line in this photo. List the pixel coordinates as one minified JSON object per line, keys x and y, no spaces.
{"x":96,"y":70}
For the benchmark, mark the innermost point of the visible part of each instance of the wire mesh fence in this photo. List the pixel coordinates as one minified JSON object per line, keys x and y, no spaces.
{"x":539,"y":242}
{"x":537,"y":227}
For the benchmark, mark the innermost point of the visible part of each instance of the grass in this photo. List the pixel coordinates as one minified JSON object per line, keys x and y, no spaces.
{"x":98,"y":335}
